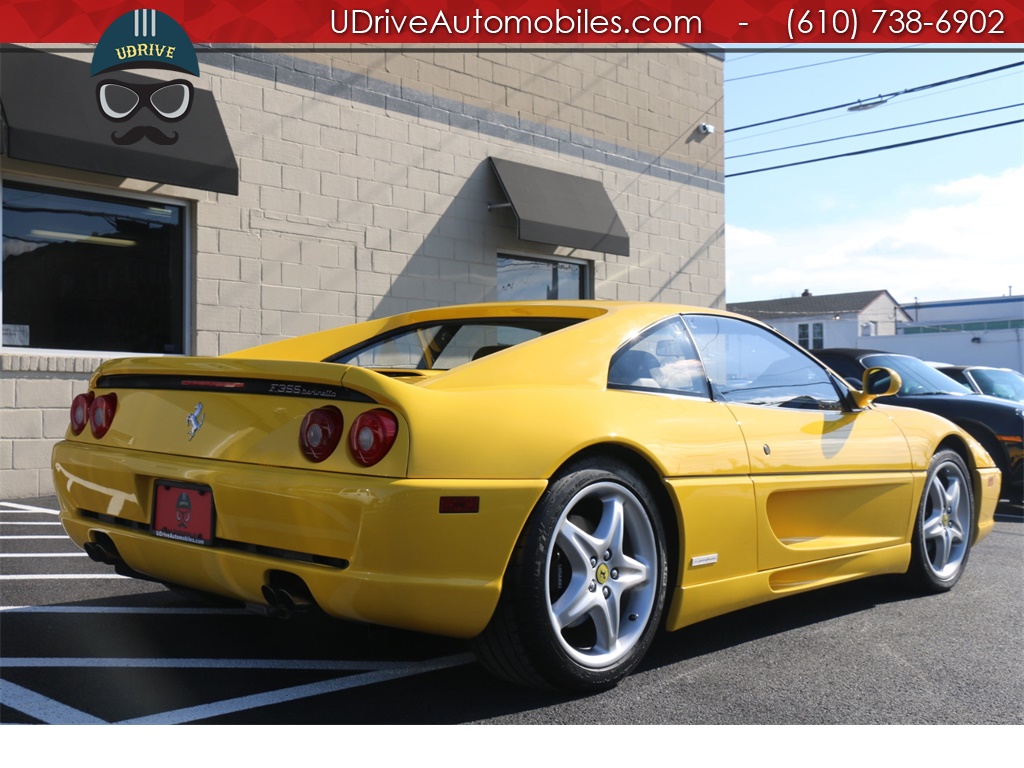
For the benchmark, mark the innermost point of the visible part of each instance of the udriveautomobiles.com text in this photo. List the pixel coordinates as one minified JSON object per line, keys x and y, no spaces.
{"x":583,"y":22}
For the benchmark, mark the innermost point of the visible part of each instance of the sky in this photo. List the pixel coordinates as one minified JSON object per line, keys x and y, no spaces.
{"x":934,"y":221}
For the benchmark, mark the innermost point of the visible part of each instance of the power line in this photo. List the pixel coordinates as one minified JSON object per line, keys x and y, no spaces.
{"x":802,"y":66}
{"x":876,"y":149}
{"x":779,"y":49}
{"x":903,"y":103}
{"x":878,"y":100}
{"x":871,"y":133}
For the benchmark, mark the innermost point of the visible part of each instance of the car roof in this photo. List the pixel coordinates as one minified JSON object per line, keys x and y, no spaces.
{"x":973,"y":368}
{"x":855,"y":354}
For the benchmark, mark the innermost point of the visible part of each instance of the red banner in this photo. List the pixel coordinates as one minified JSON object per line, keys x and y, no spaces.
{"x":553,"y":22}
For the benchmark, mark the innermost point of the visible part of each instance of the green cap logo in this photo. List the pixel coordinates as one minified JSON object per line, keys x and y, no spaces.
{"x":145,"y":39}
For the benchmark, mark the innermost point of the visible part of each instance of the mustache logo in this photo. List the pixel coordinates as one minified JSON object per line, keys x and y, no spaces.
{"x":140,"y":132}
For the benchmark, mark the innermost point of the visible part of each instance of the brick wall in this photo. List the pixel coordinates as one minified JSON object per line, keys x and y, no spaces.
{"x":364,"y":185}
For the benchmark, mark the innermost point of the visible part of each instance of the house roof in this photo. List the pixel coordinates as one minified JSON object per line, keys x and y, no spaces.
{"x":809,"y":305}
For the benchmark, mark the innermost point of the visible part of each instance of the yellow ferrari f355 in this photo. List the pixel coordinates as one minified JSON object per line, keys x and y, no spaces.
{"x":555,"y":481}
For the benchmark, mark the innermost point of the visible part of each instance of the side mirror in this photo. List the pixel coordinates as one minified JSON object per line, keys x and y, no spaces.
{"x":876,"y":383}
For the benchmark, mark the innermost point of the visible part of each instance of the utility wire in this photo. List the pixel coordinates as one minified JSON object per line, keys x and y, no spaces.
{"x":880,"y":99}
{"x":871,"y":133}
{"x":903,"y":103}
{"x":779,"y":49}
{"x":876,"y":149}
{"x":802,"y":66}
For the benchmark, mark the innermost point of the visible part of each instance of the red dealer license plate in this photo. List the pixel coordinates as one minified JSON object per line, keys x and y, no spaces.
{"x":183,"y":512}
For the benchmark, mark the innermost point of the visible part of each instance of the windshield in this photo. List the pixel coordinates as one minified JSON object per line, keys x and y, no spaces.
{"x":918,"y":377}
{"x":445,"y":345}
{"x":1007,"y":384}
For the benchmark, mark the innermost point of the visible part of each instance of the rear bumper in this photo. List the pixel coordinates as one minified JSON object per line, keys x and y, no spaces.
{"x":369,"y":549}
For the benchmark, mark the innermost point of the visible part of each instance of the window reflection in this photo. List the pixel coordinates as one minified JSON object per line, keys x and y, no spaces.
{"x":525,"y":279}
{"x":91,"y":272}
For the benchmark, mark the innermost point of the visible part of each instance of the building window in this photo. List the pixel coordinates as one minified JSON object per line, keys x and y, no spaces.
{"x":527,"y":279}
{"x":817,"y":335}
{"x":811,"y":335}
{"x":92,"y":272}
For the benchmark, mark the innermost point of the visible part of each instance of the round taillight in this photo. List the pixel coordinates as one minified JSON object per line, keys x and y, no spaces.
{"x":101,"y":414}
{"x":80,"y":412}
{"x":372,"y":435}
{"x":320,"y":433}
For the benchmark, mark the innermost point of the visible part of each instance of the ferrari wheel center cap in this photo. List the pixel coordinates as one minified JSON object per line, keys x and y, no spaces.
{"x":945,"y":520}
{"x":602,"y":573}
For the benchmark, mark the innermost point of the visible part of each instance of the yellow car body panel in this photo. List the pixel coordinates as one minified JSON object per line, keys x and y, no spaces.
{"x":763,"y":502}
{"x":405,"y":564}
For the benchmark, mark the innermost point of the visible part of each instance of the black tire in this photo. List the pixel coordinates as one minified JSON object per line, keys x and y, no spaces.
{"x":944,"y":525}
{"x":583,"y":596}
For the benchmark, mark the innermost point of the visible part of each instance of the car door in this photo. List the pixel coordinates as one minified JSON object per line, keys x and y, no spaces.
{"x":829,"y":480}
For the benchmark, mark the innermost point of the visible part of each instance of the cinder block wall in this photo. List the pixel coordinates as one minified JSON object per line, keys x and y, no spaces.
{"x":364,"y":185}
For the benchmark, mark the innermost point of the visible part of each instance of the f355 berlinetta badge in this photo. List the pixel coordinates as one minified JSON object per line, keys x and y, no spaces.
{"x":195,"y":420}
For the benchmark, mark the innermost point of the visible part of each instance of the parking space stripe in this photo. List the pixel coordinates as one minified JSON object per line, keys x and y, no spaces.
{"x":79,"y":662}
{"x":59,"y":576}
{"x":43,"y":708}
{"x":43,"y":554}
{"x":117,"y":609}
{"x":242,"y":703}
{"x":30,"y":536}
{"x":26,"y":508}
{"x":27,"y":522}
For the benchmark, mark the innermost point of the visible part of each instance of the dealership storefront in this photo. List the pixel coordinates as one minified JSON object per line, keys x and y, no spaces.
{"x":313,"y":188}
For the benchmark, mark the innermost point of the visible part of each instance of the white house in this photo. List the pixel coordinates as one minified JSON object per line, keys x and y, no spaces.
{"x":833,"y":320}
{"x":985,"y":331}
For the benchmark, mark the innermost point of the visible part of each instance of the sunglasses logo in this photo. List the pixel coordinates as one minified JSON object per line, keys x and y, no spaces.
{"x":120,"y":101}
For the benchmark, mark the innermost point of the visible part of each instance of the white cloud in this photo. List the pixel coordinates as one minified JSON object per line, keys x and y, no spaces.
{"x":968,"y":246}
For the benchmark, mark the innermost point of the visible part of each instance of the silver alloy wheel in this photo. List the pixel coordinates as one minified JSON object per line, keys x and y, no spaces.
{"x":601,"y":574}
{"x":947,"y":518}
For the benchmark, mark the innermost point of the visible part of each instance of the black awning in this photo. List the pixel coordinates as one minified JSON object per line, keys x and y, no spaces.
{"x":561,"y":209}
{"x":51,"y":116}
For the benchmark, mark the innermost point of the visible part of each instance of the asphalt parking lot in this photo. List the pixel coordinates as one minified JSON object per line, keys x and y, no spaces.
{"x":80,"y":645}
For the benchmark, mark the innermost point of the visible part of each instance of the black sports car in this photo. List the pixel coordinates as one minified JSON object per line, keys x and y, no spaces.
{"x":995,"y":423}
{"x":1003,"y":383}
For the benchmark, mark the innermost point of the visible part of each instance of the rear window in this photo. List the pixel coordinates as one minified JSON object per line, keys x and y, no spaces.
{"x":448,"y":344}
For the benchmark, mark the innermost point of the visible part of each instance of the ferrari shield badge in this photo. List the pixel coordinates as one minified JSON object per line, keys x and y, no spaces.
{"x":195,"y":420}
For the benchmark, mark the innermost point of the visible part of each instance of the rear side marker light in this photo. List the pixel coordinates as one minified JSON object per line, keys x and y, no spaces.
{"x":320,"y":433}
{"x":372,"y":435}
{"x":80,"y":412}
{"x":459,"y":505}
{"x":101,"y":414}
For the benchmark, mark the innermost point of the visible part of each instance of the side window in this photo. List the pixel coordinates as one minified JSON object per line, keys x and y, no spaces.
{"x":662,"y":359}
{"x":850,"y":370}
{"x":748,"y":364}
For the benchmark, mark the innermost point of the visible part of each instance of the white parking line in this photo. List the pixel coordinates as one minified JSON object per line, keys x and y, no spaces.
{"x":54,"y":713}
{"x":27,"y":522}
{"x":59,"y":576}
{"x":25,"y":508}
{"x":79,"y":662}
{"x":112,"y":609}
{"x":42,"y":707}
{"x":242,"y":703}
{"x":44,"y":554}
{"x":40,"y":536}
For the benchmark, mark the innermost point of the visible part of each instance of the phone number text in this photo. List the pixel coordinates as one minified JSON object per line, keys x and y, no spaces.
{"x":887,"y":23}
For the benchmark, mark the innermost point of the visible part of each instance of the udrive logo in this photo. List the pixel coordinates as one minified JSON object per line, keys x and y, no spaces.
{"x":144,"y":39}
